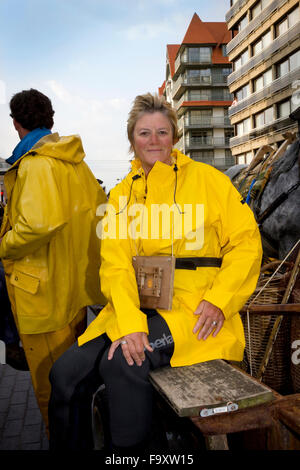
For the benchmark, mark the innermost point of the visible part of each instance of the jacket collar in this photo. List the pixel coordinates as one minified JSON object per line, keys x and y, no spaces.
{"x":179,"y":158}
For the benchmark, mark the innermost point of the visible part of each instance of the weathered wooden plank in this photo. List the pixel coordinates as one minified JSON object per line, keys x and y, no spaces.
{"x":208,"y":385}
{"x":265,"y":309}
{"x":218,"y":442}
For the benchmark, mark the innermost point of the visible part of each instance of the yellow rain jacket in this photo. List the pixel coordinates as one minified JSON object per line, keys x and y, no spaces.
{"x":50,"y":250}
{"x":225,"y":228}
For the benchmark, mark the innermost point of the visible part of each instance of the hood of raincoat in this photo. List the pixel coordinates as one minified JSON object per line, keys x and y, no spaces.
{"x":66,"y":148}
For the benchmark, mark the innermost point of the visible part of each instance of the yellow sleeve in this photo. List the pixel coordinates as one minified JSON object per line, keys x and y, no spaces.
{"x":37,"y":213}
{"x":241,"y":251}
{"x":118,"y":281}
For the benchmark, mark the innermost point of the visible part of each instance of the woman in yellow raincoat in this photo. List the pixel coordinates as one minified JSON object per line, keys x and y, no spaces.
{"x":167,"y":205}
{"x":49,"y":247}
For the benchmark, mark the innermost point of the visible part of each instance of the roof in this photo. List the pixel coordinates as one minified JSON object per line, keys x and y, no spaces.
{"x":199,"y":32}
{"x":172,"y":50}
{"x":161,"y":89}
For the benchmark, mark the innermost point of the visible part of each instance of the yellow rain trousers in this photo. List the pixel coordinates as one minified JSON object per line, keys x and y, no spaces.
{"x":209,"y":220}
{"x":50,"y":250}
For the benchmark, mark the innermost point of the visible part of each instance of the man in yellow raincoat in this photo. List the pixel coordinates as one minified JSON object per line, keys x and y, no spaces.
{"x":49,"y":246}
{"x":167,"y":205}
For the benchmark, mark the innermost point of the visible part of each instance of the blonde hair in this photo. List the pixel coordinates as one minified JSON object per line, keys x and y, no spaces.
{"x":149,"y":103}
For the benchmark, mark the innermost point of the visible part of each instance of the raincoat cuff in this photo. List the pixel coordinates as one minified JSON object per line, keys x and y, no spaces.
{"x":217,"y":301}
{"x":133,"y":324}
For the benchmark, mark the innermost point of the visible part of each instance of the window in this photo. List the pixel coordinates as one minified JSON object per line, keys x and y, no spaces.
{"x":200,"y":95}
{"x":259,"y":7}
{"x":290,"y":20}
{"x":198,"y":76}
{"x":243,"y":58}
{"x":198,"y":117}
{"x":228,"y":134}
{"x":294,"y":60}
{"x":282,"y":68}
{"x":201,"y":137}
{"x":243,"y":127}
{"x":224,"y":50}
{"x":244,"y":158}
{"x":243,"y":23}
{"x":221,"y":94}
{"x":199,"y":54}
{"x":288,"y":64}
{"x":203,"y":156}
{"x":283,"y":109}
{"x":262,"y":43}
{"x":243,"y":92}
{"x":265,"y":117}
{"x":226,"y":71}
{"x":263,"y":80}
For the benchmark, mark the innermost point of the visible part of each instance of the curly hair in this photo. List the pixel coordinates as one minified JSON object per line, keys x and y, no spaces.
{"x":32,"y":109}
{"x":149,"y":103}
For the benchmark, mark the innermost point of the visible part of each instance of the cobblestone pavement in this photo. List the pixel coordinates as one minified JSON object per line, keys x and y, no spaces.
{"x":21,"y":424}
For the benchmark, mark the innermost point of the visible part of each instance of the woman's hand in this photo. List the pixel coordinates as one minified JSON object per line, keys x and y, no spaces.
{"x":133,"y":346}
{"x":211,"y":319}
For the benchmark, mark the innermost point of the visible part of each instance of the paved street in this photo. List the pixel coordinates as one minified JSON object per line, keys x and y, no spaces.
{"x":21,"y":425}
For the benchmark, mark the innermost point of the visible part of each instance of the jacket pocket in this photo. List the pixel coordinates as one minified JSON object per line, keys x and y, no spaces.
{"x":24,"y":281}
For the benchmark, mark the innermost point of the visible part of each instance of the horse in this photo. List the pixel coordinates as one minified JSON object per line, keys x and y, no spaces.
{"x":273,"y":193}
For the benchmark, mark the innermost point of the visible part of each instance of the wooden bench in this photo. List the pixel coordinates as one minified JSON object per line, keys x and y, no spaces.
{"x":220,"y":398}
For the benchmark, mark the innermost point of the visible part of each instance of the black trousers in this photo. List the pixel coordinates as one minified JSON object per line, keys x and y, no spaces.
{"x":79,"y":372}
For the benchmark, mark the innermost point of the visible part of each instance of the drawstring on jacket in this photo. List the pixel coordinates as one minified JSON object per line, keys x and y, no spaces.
{"x":175,"y":188}
{"x":135,"y":177}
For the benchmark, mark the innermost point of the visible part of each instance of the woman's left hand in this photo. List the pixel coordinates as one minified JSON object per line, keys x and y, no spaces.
{"x":211,"y":319}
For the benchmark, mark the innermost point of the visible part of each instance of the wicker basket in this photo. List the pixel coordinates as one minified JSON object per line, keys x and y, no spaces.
{"x":258,"y":328}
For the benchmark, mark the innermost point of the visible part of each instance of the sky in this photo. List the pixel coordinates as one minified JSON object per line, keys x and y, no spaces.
{"x":91,"y":58}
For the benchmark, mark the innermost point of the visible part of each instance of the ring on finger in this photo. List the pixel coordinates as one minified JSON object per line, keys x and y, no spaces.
{"x":124,"y":342}
{"x":214,"y":323}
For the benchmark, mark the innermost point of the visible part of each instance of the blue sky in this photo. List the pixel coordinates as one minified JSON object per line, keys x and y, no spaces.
{"x":91,"y":57}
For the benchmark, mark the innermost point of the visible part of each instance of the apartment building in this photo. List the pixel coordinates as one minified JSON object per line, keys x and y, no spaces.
{"x":196,"y":85}
{"x":265,"y":52}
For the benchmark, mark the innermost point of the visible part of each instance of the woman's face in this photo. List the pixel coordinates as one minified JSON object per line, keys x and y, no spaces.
{"x":153,"y":139}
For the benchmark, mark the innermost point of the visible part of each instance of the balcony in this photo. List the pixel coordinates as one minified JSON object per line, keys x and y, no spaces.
{"x":265,"y":54}
{"x":234,"y":9}
{"x":276,"y":86}
{"x":206,"y":122}
{"x":254,"y":24}
{"x":182,"y":61}
{"x":280,"y":124}
{"x":206,"y":143}
{"x":219,"y":163}
{"x":182,"y":84}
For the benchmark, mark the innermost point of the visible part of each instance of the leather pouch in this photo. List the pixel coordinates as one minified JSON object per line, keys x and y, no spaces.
{"x":155,"y":280}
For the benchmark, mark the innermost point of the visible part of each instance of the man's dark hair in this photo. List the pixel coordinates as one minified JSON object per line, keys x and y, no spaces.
{"x":32,"y":109}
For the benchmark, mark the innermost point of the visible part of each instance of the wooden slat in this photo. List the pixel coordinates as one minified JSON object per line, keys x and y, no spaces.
{"x":209,"y":384}
{"x":269,"y":309}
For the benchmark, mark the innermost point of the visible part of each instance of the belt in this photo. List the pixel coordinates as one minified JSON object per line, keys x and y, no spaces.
{"x":193,"y":263}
